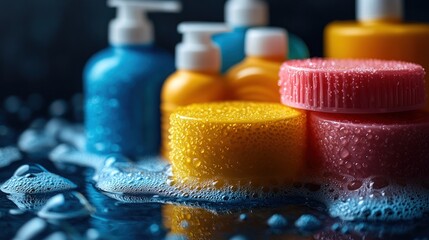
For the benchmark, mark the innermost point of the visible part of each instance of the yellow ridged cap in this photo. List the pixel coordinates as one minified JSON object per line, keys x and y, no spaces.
{"x":237,"y":141}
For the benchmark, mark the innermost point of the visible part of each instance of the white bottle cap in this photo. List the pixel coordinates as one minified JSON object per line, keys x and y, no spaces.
{"x":367,"y":10}
{"x":266,"y":42}
{"x":197,"y":52}
{"x":246,"y":13}
{"x":131,"y":25}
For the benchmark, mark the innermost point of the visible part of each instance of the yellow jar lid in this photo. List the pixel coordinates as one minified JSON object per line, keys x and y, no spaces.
{"x":237,"y":141}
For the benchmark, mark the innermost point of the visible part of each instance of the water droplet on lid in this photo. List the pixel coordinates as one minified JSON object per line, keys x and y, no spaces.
{"x":344,"y":153}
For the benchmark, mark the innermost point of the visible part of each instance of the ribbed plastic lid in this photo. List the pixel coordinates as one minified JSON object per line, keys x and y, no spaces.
{"x":352,"y":86}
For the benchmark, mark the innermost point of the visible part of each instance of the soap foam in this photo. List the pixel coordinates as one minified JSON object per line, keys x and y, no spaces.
{"x":33,"y":179}
{"x":344,"y":196}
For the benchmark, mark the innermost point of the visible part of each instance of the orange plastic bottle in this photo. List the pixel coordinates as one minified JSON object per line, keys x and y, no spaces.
{"x":197,"y":79}
{"x":379,"y":33}
{"x":256,"y":77}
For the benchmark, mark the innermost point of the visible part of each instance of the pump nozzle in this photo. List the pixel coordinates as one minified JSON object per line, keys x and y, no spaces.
{"x":246,"y":13}
{"x":369,"y":10}
{"x":266,"y":42}
{"x":131,"y":25}
{"x":197,"y":51}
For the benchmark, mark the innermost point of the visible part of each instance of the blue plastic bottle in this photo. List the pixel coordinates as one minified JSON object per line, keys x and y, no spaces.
{"x":123,"y":84}
{"x":241,"y":15}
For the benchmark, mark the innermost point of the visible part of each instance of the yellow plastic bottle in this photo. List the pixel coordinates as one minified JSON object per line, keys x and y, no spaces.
{"x":256,"y":77}
{"x":379,"y":33}
{"x":197,"y":79}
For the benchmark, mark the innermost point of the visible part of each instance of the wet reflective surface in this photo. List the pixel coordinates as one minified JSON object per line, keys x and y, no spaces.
{"x":75,"y":209}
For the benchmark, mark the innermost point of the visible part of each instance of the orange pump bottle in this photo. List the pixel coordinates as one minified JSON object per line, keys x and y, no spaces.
{"x":256,"y":77}
{"x":197,"y":79}
{"x":379,"y":33}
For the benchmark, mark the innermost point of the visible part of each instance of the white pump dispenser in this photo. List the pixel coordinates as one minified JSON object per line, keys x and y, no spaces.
{"x":266,"y":42}
{"x":131,"y":26}
{"x":197,"y":52}
{"x":368,"y":10}
{"x":246,"y":13}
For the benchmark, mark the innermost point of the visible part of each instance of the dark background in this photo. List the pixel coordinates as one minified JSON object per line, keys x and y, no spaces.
{"x":44,"y":44}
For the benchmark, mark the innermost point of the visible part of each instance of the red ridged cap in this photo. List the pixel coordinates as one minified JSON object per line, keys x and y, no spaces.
{"x":352,"y":86}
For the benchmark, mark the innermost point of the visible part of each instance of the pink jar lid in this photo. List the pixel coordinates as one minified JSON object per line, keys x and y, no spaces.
{"x":391,"y":144}
{"x":352,"y":86}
